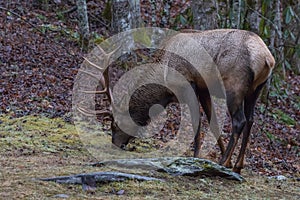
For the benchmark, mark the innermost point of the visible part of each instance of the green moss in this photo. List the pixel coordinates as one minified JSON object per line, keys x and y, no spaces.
{"x":35,"y":134}
{"x":142,"y":146}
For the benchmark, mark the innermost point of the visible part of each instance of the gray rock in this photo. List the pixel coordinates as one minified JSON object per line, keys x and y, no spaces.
{"x":279,"y":178}
{"x":65,"y":196}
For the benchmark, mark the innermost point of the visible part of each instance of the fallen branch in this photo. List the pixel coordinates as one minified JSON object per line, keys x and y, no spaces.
{"x":98,"y":177}
{"x":185,"y":166}
{"x":73,"y":9}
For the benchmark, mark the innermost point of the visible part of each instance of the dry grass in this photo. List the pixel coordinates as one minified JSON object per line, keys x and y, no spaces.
{"x":67,"y":156}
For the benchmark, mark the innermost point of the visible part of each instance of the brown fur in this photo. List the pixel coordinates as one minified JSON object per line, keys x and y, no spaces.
{"x":244,"y":64}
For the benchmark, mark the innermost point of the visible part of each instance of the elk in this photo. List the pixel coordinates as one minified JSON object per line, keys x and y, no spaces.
{"x":244,"y":64}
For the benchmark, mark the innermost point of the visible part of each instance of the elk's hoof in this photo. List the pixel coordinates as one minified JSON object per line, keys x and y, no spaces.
{"x":226,"y":164}
{"x":197,"y":155}
{"x":237,"y":170}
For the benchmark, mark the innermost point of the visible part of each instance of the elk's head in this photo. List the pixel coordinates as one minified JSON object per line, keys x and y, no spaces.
{"x":119,"y":136}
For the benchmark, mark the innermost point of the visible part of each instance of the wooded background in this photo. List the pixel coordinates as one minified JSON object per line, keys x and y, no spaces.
{"x":42,"y":45}
{"x":276,"y":22}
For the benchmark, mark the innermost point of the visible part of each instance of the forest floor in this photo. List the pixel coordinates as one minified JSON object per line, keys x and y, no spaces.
{"x":39,"y":59}
{"x":39,"y":147}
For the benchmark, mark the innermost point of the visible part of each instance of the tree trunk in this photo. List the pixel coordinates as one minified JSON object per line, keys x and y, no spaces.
{"x":251,"y":17}
{"x":83,"y":21}
{"x":205,"y":14}
{"x":296,"y":55}
{"x":167,"y":4}
{"x":153,"y":4}
{"x":223,"y":11}
{"x":278,"y":42}
{"x":126,"y":15}
{"x":280,"y":38}
{"x":239,"y":14}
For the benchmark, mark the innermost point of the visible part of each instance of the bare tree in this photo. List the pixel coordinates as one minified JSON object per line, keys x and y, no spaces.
{"x":83,"y":22}
{"x":166,"y":13}
{"x":153,"y":5}
{"x":126,"y":15}
{"x":205,"y":15}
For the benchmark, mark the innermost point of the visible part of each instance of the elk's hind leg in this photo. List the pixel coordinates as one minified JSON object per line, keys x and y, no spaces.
{"x":249,"y":106}
{"x":236,"y":110}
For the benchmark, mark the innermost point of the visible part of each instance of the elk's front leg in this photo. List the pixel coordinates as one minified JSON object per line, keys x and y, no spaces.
{"x":197,"y":141}
{"x":206,"y":103}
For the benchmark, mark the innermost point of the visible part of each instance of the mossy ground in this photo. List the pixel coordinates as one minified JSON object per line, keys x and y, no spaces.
{"x":35,"y":147}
